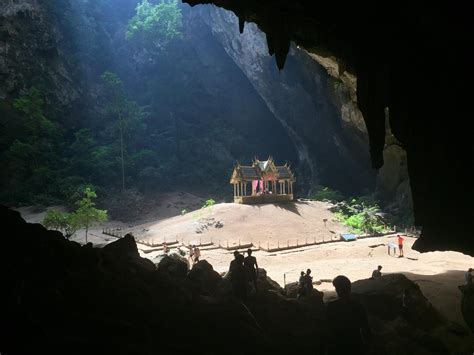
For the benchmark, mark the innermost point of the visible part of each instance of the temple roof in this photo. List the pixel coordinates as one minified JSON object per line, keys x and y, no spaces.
{"x":284,"y":172}
{"x":261,"y":169}
{"x":249,"y":173}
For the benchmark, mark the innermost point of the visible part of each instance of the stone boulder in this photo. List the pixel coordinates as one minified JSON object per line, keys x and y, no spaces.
{"x":467,"y":305}
{"x":125,"y":247}
{"x":292,"y":289}
{"x":173,"y":264}
{"x":402,"y":318}
{"x":265,"y":283}
{"x":204,"y":277}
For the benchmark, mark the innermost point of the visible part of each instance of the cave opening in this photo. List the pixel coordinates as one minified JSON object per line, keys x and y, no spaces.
{"x":122,"y":122}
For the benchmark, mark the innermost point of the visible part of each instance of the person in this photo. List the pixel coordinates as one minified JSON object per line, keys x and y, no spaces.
{"x":468,"y":277}
{"x":197,"y":254}
{"x":400,"y":245}
{"x":238,"y":276}
{"x":348,"y":326}
{"x":250,"y":263}
{"x":308,"y":282}
{"x":166,"y":249}
{"x":376,"y":273}
{"x":191,"y":255}
{"x":393,"y":246}
{"x":301,"y":285}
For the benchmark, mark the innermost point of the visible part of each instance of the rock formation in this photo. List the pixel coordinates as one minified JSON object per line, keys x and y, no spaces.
{"x":61,"y":297}
{"x":406,"y":60}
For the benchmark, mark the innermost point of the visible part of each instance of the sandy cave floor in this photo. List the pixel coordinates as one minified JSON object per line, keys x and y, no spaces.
{"x":437,"y":273}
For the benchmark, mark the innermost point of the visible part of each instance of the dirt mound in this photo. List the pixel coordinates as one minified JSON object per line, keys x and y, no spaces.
{"x":269,"y":224}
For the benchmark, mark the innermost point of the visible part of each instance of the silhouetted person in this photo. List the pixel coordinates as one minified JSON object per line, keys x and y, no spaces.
{"x":250,"y":263}
{"x":301,"y":286}
{"x":308,"y":282}
{"x":238,"y":276}
{"x":197,"y":254}
{"x":348,"y":327}
{"x":468,"y":277}
{"x":377,"y":273}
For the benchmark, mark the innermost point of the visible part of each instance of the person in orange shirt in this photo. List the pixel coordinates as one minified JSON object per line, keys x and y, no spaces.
{"x":400,"y":244}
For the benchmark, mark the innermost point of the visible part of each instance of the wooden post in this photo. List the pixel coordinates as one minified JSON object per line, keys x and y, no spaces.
{"x":278,"y":245}
{"x":284,"y":280}
{"x":297,"y":242}
{"x":268,"y":246}
{"x":288,"y":243}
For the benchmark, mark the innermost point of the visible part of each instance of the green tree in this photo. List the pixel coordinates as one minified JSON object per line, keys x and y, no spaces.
{"x":118,"y":106}
{"x":31,"y":156}
{"x":64,"y":222}
{"x":86,"y":214}
{"x":155,"y":25}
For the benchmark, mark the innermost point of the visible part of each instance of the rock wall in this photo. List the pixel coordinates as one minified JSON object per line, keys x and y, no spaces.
{"x":403,"y":68}
{"x":31,"y":54}
{"x":319,"y":115}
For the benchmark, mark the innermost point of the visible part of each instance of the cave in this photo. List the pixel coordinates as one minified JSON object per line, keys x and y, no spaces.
{"x":366,"y":100}
{"x":403,"y":58}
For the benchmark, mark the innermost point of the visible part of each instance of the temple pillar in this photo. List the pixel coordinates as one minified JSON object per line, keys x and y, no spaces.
{"x":235,"y":190}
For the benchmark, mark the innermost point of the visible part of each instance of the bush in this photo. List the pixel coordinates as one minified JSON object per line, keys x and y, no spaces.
{"x":360,"y":217}
{"x":324,"y":193}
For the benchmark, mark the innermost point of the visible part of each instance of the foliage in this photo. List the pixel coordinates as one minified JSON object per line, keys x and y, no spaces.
{"x":86,"y":214}
{"x":64,"y":222}
{"x":31,"y":151}
{"x":125,"y":112}
{"x":208,"y":203}
{"x":360,"y":217}
{"x":324,"y":193}
{"x":156,"y":24}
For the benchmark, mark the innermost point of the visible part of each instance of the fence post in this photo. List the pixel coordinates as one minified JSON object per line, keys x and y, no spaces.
{"x":288,"y":243}
{"x":296,"y":242}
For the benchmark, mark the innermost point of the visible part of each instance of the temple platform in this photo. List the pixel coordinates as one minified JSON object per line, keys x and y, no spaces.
{"x":261,"y":199}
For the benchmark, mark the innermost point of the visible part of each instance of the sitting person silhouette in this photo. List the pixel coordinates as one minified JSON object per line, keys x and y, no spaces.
{"x":348,"y":327}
